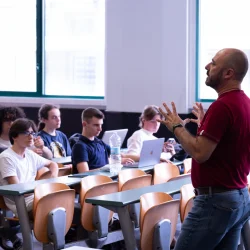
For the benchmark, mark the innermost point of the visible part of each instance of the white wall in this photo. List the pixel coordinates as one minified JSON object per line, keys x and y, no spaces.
{"x":147,"y":48}
{"x":149,"y":57}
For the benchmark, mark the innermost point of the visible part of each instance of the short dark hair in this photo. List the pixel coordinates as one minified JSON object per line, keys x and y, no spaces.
{"x":10,"y":114}
{"x":43,"y":113}
{"x":19,"y":126}
{"x":239,"y":62}
{"x":89,"y":113}
{"x":148,"y":114}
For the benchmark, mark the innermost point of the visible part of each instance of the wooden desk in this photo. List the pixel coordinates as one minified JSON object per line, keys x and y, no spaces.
{"x":17,"y":192}
{"x":63,"y":160}
{"x":119,"y":201}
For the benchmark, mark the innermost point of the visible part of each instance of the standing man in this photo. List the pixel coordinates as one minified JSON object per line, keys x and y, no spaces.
{"x":221,"y":158}
{"x":89,"y":152}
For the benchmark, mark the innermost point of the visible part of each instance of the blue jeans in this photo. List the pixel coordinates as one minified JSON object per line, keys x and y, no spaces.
{"x":215,"y":221}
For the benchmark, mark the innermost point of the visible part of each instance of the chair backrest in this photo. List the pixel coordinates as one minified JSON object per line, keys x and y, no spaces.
{"x":187,"y":195}
{"x":65,"y":170}
{"x":47,"y":197}
{"x":41,"y":173}
{"x":44,"y":189}
{"x":149,"y":200}
{"x":187,"y":165}
{"x":154,"y":208}
{"x":94,"y":186}
{"x":128,"y":174}
{"x":165,"y":171}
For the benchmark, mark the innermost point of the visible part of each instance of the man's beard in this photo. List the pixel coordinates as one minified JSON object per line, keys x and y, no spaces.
{"x":215,"y":80}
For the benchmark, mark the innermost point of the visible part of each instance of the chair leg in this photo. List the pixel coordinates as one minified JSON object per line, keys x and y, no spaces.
{"x":162,"y":234}
{"x":57,"y":227}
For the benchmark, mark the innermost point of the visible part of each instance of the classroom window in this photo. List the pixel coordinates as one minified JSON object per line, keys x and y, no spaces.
{"x":55,"y":49}
{"x":221,"y":24}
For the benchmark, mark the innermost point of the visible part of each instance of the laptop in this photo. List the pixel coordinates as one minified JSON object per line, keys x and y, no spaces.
{"x":121,"y":132}
{"x":150,"y":154}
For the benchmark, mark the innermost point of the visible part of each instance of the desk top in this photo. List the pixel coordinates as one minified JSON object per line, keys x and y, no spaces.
{"x":125,"y":198}
{"x":63,"y":160}
{"x":99,"y":171}
{"x":24,"y":188}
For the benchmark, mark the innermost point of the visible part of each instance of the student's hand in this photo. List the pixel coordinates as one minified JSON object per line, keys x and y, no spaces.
{"x":127,"y":160}
{"x":168,"y":148}
{"x":198,"y":111}
{"x":38,"y":142}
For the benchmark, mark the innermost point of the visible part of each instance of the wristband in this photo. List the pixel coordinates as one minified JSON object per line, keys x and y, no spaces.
{"x":179,"y":125}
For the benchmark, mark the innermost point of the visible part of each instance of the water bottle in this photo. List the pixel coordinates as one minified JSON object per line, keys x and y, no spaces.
{"x":115,"y":155}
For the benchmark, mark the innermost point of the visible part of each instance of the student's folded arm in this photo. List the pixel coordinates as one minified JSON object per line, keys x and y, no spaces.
{"x":53,"y":167}
{"x":12,"y":179}
{"x":82,"y":167}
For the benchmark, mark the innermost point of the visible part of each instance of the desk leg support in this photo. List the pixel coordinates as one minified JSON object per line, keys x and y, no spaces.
{"x":24,"y":222}
{"x":127,"y":228}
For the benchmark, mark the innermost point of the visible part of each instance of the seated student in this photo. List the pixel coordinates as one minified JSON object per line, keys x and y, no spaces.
{"x":55,"y":140}
{"x":149,"y":125}
{"x":7,"y":116}
{"x":18,"y":164}
{"x":89,"y":152}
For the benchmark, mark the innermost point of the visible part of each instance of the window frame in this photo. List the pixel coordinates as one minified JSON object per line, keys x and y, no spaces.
{"x":37,"y":98}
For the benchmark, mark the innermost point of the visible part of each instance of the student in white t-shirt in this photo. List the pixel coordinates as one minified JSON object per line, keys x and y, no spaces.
{"x":18,"y":164}
{"x":149,"y":125}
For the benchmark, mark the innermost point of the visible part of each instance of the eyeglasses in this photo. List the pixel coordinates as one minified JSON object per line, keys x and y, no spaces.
{"x":27,"y":133}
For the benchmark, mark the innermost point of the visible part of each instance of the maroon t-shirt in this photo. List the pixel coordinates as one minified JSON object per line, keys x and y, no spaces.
{"x":227,"y":122}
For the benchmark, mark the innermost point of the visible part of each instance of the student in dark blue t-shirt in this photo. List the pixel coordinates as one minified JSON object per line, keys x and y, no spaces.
{"x":55,"y":140}
{"x":89,"y":152}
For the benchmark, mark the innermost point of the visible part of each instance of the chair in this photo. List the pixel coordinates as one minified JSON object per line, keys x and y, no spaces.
{"x":187,"y":165}
{"x":165,"y":171}
{"x":158,"y":220}
{"x":131,"y":179}
{"x":53,"y":210}
{"x":186,"y":202}
{"x":64,"y":170}
{"x":95,"y":219}
{"x":42,"y":173}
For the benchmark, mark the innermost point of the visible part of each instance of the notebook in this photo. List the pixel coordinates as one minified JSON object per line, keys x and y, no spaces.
{"x":150,"y":154}
{"x":121,"y":132}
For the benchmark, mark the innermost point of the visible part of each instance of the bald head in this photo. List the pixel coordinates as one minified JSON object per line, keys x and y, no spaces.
{"x":237,"y":60}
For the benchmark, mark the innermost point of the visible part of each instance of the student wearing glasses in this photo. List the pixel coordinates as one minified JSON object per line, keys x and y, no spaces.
{"x":149,"y":125}
{"x":18,"y":164}
{"x":50,"y":122}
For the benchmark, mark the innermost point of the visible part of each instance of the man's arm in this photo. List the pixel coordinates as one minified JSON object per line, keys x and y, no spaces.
{"x":82,"y":167}
{"x":198,"y":147}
